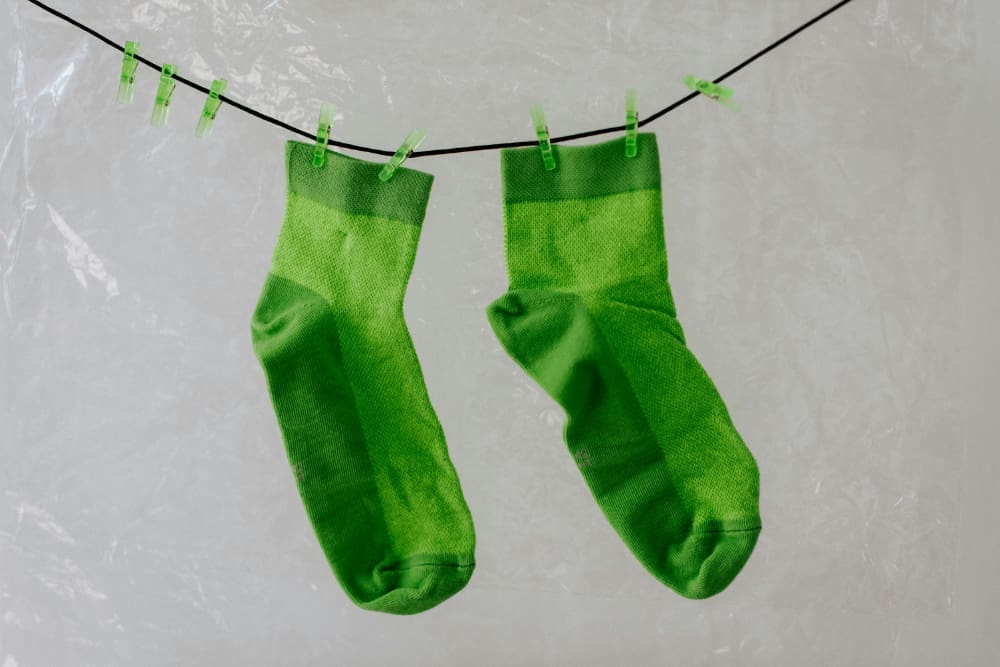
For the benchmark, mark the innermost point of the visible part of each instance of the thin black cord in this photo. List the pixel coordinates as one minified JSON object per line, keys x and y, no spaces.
{"x":457,"y":149}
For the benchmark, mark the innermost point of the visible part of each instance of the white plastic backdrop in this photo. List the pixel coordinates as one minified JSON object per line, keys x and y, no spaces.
{"x":148,"y":515}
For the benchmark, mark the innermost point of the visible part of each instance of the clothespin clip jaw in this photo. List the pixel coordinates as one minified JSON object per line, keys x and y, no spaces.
{"x":211,"y":108}
{"x":161,"y":107}
{"x":542,"y":132}
{"x":126,"y":86}
{"x":720,"y":94}
{"x":631,"y":122}
{"x":409,"y":145}
{"x":325,"y":127}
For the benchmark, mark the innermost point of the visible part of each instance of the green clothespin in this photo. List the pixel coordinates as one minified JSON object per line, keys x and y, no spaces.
{"x":126,"y":86}
{"x":720,"y":94}
{"x":161,"y":107}
{"x":211,"y":108}
{"x":409,"y":145}
{"x":326,"y":114}
{"x":631,"y":122}
{"x":542,"y":132}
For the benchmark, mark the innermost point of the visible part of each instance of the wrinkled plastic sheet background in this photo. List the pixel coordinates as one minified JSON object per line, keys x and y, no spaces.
{"x":148,"y":515}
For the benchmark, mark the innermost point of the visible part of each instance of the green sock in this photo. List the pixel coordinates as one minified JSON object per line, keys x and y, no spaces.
{"x":366,"y":448}
{"x":590,"y":317}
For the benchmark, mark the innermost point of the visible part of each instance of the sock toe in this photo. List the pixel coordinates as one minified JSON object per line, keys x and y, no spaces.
{"x":418,"y":584}
{"x":708,"y":560}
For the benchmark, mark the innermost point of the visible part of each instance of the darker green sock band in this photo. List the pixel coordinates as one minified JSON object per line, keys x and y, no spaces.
{"x":352,"y":186}
{"x":581,"y":171}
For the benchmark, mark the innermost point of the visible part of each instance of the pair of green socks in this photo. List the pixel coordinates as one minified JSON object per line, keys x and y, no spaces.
{"x":588,"y":315}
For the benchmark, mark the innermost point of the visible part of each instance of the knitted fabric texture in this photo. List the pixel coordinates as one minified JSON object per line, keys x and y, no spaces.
{"x":363,"y":441}
{"x":589,"y":315}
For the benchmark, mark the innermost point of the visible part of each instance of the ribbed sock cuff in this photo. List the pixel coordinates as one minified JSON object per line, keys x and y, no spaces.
{"x":581,"y":171}
{"x":351,"y":185}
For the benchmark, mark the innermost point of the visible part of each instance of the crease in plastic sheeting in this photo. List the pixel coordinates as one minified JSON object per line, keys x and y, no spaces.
{"x":813,"y":253}
{"x":82,"y":259}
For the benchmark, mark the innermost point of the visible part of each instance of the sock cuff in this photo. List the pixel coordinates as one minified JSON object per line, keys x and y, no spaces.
{"x":581,"y":171}
{"x":353,"y":186}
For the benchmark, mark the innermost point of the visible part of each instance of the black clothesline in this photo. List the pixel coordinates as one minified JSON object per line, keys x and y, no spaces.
{"x":456,"y":149}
